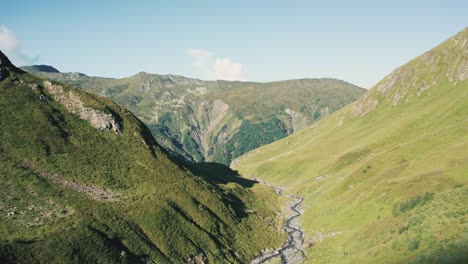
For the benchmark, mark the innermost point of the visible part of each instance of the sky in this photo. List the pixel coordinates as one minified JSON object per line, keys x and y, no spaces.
{"x":356,"y":41}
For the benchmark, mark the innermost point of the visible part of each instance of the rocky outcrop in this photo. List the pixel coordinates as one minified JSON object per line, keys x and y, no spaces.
{"x":71,"y":101}
{"x":294,"y":121}
{"x":364,"y":106}
{"x":197,"y":259}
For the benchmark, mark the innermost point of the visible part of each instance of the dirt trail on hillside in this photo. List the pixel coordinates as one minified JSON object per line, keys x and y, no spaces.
{"x":292,"y":250}
{"x":94,"y":192}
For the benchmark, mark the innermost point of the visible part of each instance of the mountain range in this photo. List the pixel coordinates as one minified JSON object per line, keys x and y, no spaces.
{"x":216,"y":121}
{"x":333,"y":173}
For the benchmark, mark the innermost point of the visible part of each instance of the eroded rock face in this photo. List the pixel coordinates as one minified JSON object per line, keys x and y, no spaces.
{"x":71,"y":101}
{"x":204,"y":117}
{"x":294,"y":121}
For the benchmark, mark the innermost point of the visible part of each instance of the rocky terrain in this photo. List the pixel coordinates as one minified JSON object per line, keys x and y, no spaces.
{"x":71,"y":101}
{"x":292,"y":250}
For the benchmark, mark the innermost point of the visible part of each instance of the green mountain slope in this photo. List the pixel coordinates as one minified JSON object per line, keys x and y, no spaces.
{"x":83,"y":181}
{"x":218,"y":120}
{"x":385,"y":179}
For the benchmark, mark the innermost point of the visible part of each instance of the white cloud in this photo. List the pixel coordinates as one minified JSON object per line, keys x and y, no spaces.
{"x":226,"y":69}
{"x":201,"y":57}
{"x":215,"y":68}
{"x":8,"y":41}
{"x":202,"y":60}
{"x":11,"y":46}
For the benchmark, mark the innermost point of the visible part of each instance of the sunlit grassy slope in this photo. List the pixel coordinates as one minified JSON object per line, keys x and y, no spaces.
{"x":385,"y":179}
{"x":53,"y":163}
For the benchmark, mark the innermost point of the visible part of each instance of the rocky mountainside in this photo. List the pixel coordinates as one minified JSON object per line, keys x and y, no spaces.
{"x":217,"y":120}
{"x":385,"y":179}
{"x":82,"y":180}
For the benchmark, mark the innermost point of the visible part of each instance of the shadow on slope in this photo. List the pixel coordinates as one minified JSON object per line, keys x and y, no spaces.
{"x":218,"y":173}
{"x":221,"y":175}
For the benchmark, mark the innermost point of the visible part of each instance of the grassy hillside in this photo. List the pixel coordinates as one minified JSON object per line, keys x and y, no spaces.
{"x":217,"y":120}
{"x":385,"y":179}
{"x":82,"y":180}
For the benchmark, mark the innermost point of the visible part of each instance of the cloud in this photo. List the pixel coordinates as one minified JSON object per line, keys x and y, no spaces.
{"x":11,"y":46}
{"x":226,"y":69}
{"x":201,"y":57}
{"x":8,"y":41}
{"x":215,"y":68}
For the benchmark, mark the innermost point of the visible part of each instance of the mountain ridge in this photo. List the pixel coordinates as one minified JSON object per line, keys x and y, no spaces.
{"x":37,"y":68}
{"x":83,"y":180}
{"x":218,"y":120}
{"x":388,"y":170}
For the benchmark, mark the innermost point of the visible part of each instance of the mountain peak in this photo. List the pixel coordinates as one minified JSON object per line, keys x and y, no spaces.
{"x":6,"y":66}
{"x":448,"y":62}
{"x":4,"y":61}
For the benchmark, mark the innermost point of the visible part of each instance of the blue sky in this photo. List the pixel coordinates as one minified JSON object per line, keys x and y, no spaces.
{"x":357,"y":41}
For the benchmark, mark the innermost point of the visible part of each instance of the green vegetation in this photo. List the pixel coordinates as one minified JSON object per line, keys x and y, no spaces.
{"x":250,"y":136}
{"x":388,"y":173}
{"x":55,"y":167}
{"x":209,"y":120}
{"x":402,"y":207}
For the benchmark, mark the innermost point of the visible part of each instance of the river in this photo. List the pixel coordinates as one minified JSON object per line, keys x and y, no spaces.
{"x":292,"y":249}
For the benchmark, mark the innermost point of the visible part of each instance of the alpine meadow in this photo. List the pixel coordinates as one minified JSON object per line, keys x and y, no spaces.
{"x":213,"y":132}
{"x":389,"y":170}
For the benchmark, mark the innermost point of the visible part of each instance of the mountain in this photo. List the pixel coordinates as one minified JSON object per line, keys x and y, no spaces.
{"x":82,"y":180}
{"x":385,"y":179}
{"x":40,"y":68}
{"x":218,"y":120}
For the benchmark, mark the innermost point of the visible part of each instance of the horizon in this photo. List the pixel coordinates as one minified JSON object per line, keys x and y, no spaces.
{"x":208,"y":42}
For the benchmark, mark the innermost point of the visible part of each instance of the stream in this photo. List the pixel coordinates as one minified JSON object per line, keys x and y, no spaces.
{"x":292,"y":249}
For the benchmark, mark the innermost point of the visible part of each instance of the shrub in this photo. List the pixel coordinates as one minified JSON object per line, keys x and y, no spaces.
{"x":405,"y":206}
{"x":413,"y":245}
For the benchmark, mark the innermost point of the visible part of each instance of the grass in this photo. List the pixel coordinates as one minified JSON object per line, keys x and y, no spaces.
{"x":396,"y":177}
{"x":166,"y":213}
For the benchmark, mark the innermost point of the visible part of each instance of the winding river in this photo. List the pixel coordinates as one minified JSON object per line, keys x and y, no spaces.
{"x":292,"y":249}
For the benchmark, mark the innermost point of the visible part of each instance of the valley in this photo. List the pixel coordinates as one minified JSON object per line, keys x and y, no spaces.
{"x":261,"y":132}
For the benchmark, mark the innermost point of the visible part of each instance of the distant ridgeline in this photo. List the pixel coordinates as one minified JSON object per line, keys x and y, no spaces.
{"x":217,"y":120}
